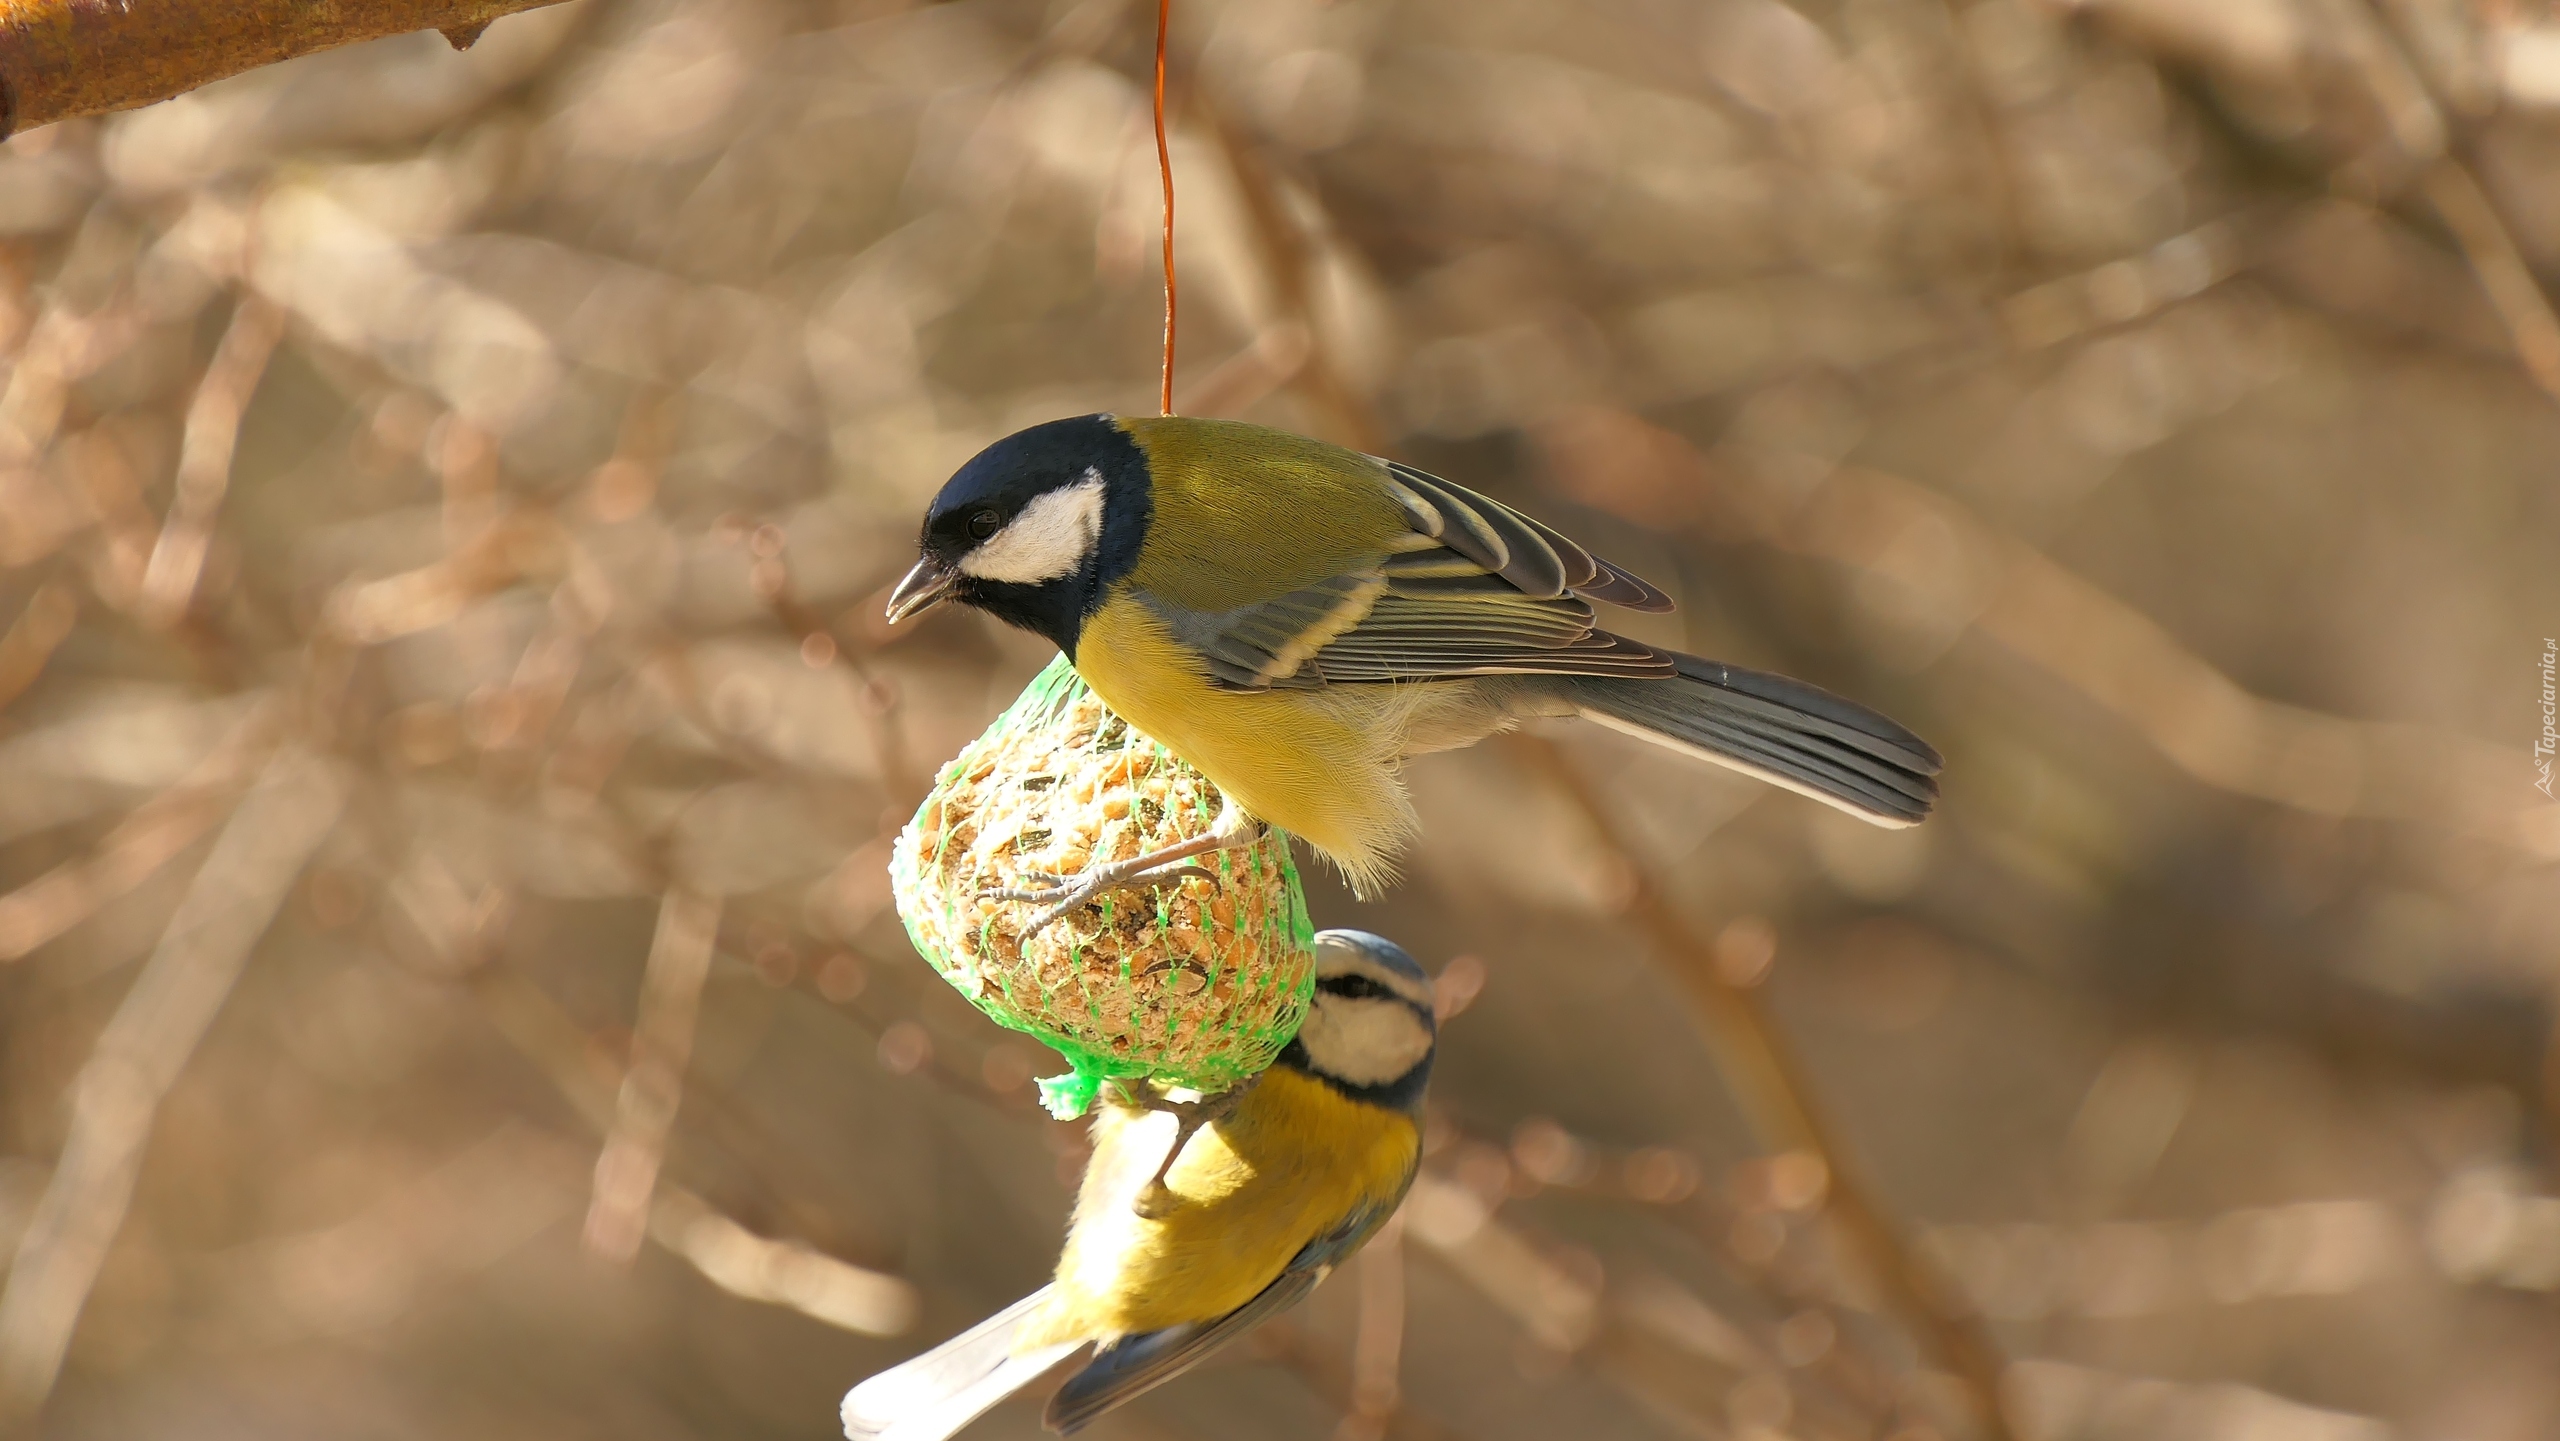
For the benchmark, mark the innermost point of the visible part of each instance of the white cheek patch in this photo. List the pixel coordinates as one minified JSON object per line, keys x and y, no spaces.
{"x":1365,"y":1042}
{"x":1053,"y":537}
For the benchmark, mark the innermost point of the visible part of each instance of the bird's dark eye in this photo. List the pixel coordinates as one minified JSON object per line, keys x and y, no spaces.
{"x":984,"y":523}
{"x":1355,"y":987}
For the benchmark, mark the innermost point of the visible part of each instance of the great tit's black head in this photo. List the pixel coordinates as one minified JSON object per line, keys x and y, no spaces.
{"x":1033,"y":528}
{"x":1370,"y":1030}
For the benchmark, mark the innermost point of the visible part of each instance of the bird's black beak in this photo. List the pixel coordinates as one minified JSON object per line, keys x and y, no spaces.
{"x":925,"y":587}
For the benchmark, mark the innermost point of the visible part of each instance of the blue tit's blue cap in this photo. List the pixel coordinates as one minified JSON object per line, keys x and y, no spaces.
{"x":1363,"y":953}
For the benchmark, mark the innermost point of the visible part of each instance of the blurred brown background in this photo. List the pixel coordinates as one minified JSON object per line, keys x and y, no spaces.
{"x":447,"y":740}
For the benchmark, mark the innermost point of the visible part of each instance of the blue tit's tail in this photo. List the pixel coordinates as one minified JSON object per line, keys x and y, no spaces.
{"x":933,"y":1395}
{"x":1783,"y":731}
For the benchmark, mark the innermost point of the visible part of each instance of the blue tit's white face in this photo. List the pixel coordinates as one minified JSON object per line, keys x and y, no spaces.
{"x":1370,"y":1026}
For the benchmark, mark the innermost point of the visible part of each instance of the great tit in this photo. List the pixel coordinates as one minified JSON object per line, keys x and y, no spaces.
{"x":1272,"y":1195}
{"x":1295,"y":619}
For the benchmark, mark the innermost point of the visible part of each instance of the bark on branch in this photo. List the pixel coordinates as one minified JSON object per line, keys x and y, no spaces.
{"x":61,"y":58}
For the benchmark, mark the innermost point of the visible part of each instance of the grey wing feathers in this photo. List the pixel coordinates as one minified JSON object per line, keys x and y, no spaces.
{"x":1626,"y":589}
{"x":1480,"y":590}
{"x":1140,"y":1363}
{"x":932,"y":1396}
{"x":1441,"y":613}
{"x":1796,"y":735}
{"x":1810,"y":707}
{"x":1359,"y":657}
{"x":1531,"y":555}
{"x":1262,"y":646}
{"x":1476,"y":589}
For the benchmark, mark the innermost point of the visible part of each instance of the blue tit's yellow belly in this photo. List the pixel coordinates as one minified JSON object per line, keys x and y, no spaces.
{"x":1319,"y":764}
{"x":1288,"y":1165}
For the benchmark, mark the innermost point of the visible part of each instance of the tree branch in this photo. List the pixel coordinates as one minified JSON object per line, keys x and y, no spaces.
{"x":137,"y":1059}
{"x":62,"y":58}
{"x":1770,"y":1083}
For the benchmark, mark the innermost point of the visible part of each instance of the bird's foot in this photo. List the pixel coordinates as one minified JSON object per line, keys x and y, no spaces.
{"x":1155,"y":1199}
{"x":1169,"y":866}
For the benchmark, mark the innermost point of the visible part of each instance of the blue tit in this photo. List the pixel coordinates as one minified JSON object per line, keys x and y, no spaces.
{"x":1269,"y":1196}
{"x":1295,"y":619}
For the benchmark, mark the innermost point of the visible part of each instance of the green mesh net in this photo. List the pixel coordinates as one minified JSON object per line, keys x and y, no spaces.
{"x":1194,"y":984}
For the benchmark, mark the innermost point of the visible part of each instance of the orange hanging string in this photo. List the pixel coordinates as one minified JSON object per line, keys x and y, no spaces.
{"x":1164,"y":166}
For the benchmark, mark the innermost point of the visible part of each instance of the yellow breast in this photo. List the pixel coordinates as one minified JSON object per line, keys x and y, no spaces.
{"x":1318,"y":764}
{"x":1292,"y":1161}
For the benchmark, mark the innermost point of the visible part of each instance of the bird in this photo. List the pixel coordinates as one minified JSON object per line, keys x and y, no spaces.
{"x":1295,"y":618}
{"x":1266,"y":1199}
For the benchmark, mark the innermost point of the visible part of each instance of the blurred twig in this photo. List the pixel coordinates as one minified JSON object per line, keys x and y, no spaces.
{"x":60,"y":348}
{"x":1556,"y":1310}
{"x":1270,"y":360}
{"x":144,"y":841}
{"x":1998,"y":162}
{"x":487,"y":561}
{"x":1295,"y":350}
{"x":39,"y":507}
{"x":780,"y":1273}
{"x":2428,"y":131}
{"x":2433,"y":135}
{"x":204,"y":459}
{"x":1562,"y":1313}
{"x":30,"y":640}
{"x":770,"y":577}
{"x":1770,"y":1083}
{"x":728,"y":1254}
{"x":139,"y":1056}
{"x":1669,"y":1182}
{"x":2459,"y":199}
{"x":2198,"y":717}
{"x":661,"y":1044}
{"x":1377,"y":1349}
{"x":2204,"y":722}
{"x":1285,"y":1340}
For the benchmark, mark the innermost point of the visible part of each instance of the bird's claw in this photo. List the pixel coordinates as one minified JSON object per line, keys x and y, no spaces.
{"x":1156,"y":1200}
{"x":1064,"y":894}
{"x":1060,"y":895}
{"x":1050,"y":888}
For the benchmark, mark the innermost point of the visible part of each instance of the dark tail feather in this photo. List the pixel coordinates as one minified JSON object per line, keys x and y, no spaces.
{"x":1781,"y":730}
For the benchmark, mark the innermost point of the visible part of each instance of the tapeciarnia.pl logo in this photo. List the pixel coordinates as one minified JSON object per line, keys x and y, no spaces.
{"x":2549,"y":740}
